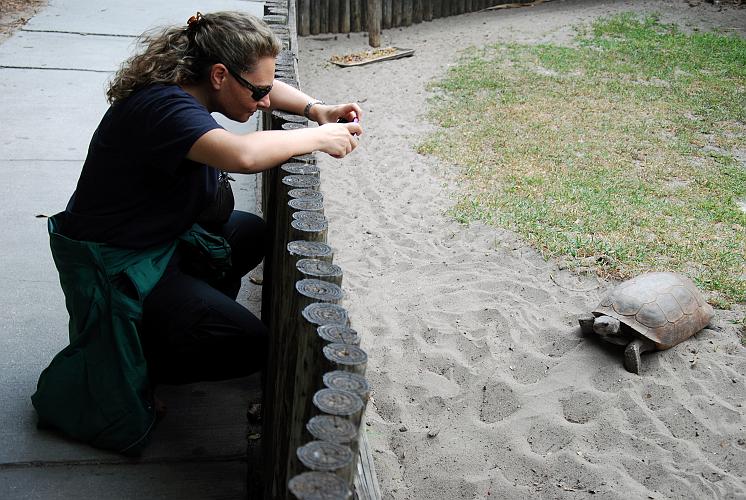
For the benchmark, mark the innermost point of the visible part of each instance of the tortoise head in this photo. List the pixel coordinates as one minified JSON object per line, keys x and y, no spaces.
{"x":610,"y":329}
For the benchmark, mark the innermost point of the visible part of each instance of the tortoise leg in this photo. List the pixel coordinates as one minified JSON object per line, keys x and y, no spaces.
{"x":633,"y":351}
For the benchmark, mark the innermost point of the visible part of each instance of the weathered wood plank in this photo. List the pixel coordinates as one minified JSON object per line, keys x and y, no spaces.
{"x":366,"y":481}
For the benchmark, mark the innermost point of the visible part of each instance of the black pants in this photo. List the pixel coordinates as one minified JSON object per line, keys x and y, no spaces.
{"x":194,"y":331}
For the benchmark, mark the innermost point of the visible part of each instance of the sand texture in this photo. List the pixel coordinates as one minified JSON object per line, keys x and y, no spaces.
{"x":484,"y":386}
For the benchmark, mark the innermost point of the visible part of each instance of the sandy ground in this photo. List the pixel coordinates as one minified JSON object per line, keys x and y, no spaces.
{"x":483,"y":385}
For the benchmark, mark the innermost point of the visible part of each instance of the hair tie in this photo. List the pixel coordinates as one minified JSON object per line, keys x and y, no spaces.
{"x":195,"y":20}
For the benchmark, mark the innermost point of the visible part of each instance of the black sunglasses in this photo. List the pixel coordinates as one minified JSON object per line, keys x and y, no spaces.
{"x":257,"y":93}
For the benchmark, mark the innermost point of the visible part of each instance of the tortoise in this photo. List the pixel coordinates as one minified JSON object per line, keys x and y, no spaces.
{"x":651,"y":311}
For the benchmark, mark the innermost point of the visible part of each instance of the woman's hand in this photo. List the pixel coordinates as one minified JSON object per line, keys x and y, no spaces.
{"x":338,"y":139}
{"x":331,"y":113}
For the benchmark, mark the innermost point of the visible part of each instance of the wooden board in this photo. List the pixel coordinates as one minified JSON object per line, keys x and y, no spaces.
{"x":516,"y":4}
{"x":366,"y":482}
{"x":397,"y":55}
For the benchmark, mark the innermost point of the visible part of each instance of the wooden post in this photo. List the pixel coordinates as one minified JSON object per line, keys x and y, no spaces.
{"x":417,"y":8}
{"x":323,"y":456}
{"x":309,"y":217}
{"x":315,"y":357}
{"x":333,"y":18}
{"x":274,"y":429}
{"x":302,"y":249}
{"x":315,"y":23}
{"x":332,"y":429}
{"x":338,"y":334}
{"x":285,"y":181}
{"x":285,"y":393}
{"x":326,"y":314}
{"x":315,"y":485}
{"x":386,"y":14}
{"x":274,"y":10}
{"x":289,"y":117}
{"x":396,"y":13}
{"x":306,"y":205}
{"x":323,"y":16}
{"x":374,"y":23}
{"x":407,"y":8}
{"x":344,"y":16}
{"x":301,"y":169}
{"x":345,"y":357}
{"x":310,"y":366}
{"x":319,"y":269}
{"x":351,"y":382}
{"x":276,"y":20}
{"x":340,"y":403}
{"x":427,"y":12}
{"x":304,"y":17}
{"x":348,"y":381}
{"x":356,"y":15}
{"x":306,"y":194}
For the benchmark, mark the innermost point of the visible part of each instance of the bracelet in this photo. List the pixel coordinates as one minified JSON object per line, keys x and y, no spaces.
{"x":309,"y":106}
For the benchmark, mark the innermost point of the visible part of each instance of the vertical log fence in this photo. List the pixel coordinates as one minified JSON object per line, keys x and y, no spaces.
{"x":315,"y":386}
{"x":345,"y":16}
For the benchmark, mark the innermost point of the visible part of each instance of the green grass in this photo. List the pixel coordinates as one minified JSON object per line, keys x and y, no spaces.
{"x":618,"y":151}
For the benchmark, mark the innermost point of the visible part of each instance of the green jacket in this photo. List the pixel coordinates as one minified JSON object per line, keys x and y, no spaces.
{"x":96,"y":389}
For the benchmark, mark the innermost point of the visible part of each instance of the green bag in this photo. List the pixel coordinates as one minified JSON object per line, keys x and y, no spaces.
{"x":96,"y":389}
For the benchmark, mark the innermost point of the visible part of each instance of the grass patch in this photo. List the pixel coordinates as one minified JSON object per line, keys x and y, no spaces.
{"x":620,"y":150}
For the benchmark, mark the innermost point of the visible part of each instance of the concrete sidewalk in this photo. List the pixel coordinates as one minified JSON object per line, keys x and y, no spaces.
{"x":52,"y":95}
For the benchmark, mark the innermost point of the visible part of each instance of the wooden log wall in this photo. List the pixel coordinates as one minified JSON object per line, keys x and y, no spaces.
{"x":315,"y":387}
{"x":345,"y":16}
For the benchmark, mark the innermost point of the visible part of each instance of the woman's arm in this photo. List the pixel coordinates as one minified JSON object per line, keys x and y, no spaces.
{"x":288,"y":98}
{"x":259,"y":151}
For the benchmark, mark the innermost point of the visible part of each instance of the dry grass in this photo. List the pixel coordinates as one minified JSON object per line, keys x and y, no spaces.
{"x":16,"y":13}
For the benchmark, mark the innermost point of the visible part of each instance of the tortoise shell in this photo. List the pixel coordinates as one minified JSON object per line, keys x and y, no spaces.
{"x":666,"y":308}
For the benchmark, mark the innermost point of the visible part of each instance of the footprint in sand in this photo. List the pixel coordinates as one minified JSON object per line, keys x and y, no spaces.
{"x":498,"y":402}
{"x":528,"y":368}
{"x":581,"y":407}
{"x":546,"y":437}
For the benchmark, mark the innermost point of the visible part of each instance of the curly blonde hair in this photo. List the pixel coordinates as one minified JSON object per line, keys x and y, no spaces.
{"x":184,"y":55}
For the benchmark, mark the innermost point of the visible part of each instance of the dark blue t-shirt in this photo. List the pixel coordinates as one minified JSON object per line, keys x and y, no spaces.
{"x":137,"y":188}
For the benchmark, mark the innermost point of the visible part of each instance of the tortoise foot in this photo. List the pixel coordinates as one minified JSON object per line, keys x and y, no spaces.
{"x":632,"y":358}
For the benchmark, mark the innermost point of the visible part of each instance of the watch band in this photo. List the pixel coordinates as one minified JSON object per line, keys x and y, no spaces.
{"x":308,"y":107}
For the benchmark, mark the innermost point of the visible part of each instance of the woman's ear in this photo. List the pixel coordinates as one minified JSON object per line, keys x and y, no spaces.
{"x":218,"y":74}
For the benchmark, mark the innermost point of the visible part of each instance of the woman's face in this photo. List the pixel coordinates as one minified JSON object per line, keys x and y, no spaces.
{"x":239,"y":103}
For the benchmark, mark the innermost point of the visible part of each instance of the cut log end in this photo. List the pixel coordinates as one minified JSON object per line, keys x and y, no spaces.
{"x":323,"y":456}
{"x":310,"y":249}
{"x":310,"y":224}
{"x":301,"y":168}
{"x":332,"y":429}
{"x":345,"y":355}
{"x":319,"y":486}
{"x":306,"y":194}
{"x":321,"y":313}
{"x":301,"y":181}
{"x":338,"y":334}
{"x":306,"y":205}
{"x":337,"y":402}
{"x":319,"y":290}
{"x":347,"y":381}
